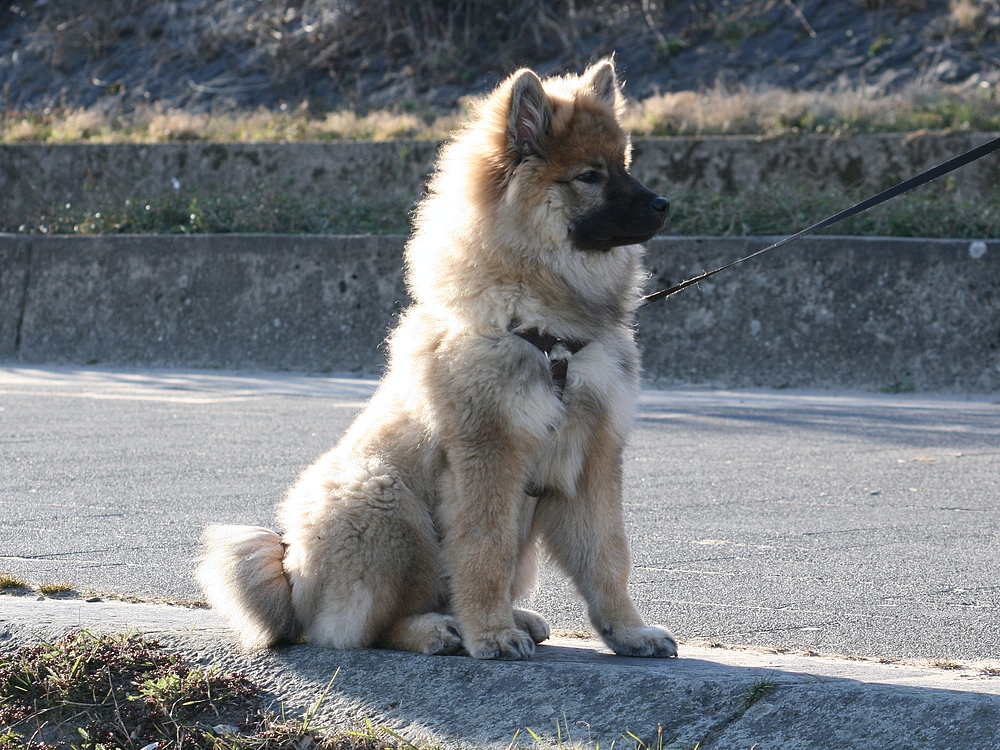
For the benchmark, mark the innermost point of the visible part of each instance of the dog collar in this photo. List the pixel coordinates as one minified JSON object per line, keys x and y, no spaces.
{"x":556,"y":350}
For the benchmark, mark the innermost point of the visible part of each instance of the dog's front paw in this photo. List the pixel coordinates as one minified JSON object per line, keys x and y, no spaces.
{"x":647,"y":640}
{"x":532,"y":623}
{"x":508,"y":643}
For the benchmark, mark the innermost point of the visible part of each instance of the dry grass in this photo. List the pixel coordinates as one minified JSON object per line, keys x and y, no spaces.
{"x":10,"y":582}
{"x":717,"y":111}
{"x":249,"y":46}
{"x":967,"y":15}
{"x":93,"y":691}
{"x":159,"y":125}
{"x":59,"y":588}
{"x":852,"y":110}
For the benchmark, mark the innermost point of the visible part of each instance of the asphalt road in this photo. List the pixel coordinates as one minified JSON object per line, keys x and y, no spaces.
{"x":843,"y":523}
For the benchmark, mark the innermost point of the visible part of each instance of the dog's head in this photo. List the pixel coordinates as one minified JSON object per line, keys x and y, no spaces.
{"x":567,"y":152}
{"x":534,"y":193}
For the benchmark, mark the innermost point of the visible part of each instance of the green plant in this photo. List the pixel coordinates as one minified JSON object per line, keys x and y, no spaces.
{"x":760,"y":689}
{"x":899,"y":386}
{"x":766,"y":210}
{"x":882,"y":42}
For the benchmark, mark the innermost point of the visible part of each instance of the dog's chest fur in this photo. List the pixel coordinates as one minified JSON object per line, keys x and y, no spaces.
{"x":597,"y":403}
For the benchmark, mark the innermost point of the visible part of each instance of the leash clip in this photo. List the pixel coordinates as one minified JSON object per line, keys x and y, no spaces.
{"x":558,"y":357}
{"x":557,"y":352}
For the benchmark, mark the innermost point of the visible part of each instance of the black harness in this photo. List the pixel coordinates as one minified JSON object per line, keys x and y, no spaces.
{"x":556,"y":350}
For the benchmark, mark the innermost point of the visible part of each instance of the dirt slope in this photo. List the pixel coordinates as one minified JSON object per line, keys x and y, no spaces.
{"x":425,"y":54}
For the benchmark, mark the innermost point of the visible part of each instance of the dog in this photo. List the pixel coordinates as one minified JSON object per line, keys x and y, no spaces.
{"x":500,"y":423}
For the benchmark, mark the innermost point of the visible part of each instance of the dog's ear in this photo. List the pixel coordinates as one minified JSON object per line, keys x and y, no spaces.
{"x":529,"y":114}
{"x":602,"y":80}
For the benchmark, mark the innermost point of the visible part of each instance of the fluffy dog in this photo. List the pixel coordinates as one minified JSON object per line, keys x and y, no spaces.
{"x":500,"y":423}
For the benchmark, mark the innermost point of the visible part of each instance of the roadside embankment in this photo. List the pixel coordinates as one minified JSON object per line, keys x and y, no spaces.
{"x":825,"y":312}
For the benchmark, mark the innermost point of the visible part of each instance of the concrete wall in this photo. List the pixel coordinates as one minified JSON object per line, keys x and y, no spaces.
{"x":827,"y":312}
{"x":35,"y":180}
{"x":319,"y":303}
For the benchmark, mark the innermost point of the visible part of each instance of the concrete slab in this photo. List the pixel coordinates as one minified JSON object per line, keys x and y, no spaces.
{"x":15,"y":258}
{"x":574,"y":691}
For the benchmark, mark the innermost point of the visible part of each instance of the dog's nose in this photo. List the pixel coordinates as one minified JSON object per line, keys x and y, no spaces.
{"x":660,"y":204}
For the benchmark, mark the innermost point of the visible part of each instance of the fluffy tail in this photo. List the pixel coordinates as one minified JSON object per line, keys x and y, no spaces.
{"x":242,"y":576}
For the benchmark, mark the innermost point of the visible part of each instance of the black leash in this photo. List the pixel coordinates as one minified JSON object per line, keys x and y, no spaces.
{"x":921,"y":179}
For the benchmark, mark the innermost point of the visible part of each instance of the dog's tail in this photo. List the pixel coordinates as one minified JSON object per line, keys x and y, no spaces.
{"x":242,"y":576}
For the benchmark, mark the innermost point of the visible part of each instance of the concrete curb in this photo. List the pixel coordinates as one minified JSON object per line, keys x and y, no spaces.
{"x":576,"y":685}
{"x":847,"y":312}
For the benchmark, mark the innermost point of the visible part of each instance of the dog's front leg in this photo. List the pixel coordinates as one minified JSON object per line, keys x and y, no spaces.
{"x":585,"y":535}
{"x":482,"y":500}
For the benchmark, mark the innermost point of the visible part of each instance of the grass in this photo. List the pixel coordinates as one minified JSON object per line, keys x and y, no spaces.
{"x":176,"y":212}
{"x":761,"y":688}
{"x":158,"y":125}
{"x":927,"y":213}
{"x":716,"y":111}
{"x":56,"y":589}
{"x":775,"y":112}
{"x":11,"y":583}
{"x":780,"y":211}
{"x":934,"y":212}
{"x":91,"y":691}
{"x":946,"y":664}
{"x":898,"y":386}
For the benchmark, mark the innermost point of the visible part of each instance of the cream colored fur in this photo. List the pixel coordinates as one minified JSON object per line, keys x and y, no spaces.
{"x":416,"y":531}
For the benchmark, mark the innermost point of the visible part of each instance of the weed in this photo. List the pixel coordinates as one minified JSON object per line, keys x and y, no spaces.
{"x":174,"y":212}
{"x":657,"y":744}
{"x":715,"y":111}
{"x":56,"y":589}
{"x":782,"y":210}
{"x":104,"y":691}
{"x":967,"y":15}
{"x":756,"y":212}
{"x":899,"y":386}
{"x":946,"y":664}
{"x":672,"y":46}
{"x":10,"y":582}
{"x":98,"y":688}
{"x":883,"y":42}
{"x":763,"y":687}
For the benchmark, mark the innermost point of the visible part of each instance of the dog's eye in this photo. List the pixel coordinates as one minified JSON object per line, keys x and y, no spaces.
{"x":590,"y":177}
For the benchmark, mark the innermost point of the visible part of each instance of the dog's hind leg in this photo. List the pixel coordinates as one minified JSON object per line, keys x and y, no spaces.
{"x":362,"y":560}
{"x":431,"y":633}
